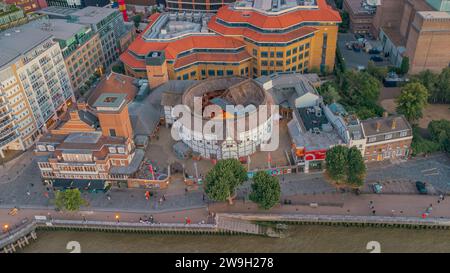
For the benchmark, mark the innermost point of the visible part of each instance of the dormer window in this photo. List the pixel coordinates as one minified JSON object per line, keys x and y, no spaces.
{"x":112,"y":150}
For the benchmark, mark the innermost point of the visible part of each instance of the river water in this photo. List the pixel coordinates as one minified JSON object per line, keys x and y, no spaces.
{"x":308,"y":238}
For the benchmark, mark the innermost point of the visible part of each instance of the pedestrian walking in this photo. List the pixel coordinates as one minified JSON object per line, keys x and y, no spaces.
{"x":109,"y":197}
{"x":28,"y":193}
{"x":203,"y":197}
{"x":373,"y":212}
{"x":160,"y":200}
{"x":164,"y":197}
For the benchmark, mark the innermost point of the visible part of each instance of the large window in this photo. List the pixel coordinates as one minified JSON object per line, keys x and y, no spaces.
{"x":211,"y":72}
{"x":219,"y":72}
{"x":279,"y":54}
{"x":264,"y":54}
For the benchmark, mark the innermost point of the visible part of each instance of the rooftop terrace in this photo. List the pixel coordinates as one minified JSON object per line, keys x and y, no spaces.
{"x":178,"y":24}
{"x":275,"y":5}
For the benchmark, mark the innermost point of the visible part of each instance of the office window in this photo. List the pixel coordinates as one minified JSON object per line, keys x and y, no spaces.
{"x":288,"y":53}
{"x":279,"y":63}
{"x":230,"y":72}
{"x":185,"y":76}
{"x":294,"y":50}
{"x":193,"y":74}
{"x":178,"y":78}
{"x":264,"y":63}
{"x":300,"y":56}
{"x":211,"y":72}
{"x":307,"y":45}
{"x":272,"y":54}
{"x":280,"y":54}
{"x":255,"y":52}
{"x":203,"y":72}
{"x":300,"y":48}
{"x":288,"y":61}
{"x":306,"y":54}
{"x":219,"y":72}
{"x":264,"y":54}
{"x":272,"y":63}
{"x":294,"y":59}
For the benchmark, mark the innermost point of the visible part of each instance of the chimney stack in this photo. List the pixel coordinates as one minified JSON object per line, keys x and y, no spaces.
{"x":394,"y":123}
{"x":378,"y":126}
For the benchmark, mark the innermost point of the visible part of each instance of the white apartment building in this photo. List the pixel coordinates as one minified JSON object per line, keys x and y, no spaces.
{"x":35,"y":87}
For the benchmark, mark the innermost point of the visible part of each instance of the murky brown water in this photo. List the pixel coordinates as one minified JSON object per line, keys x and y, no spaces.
{"x":301,"y":239}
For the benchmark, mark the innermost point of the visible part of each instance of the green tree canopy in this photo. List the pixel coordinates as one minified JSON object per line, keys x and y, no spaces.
{"x":356,"y":169}
{"x":266,"y":190}
{"x":137,"y":20}
{"x":336,"y":160}
{"x":329,"y":93}
{"x":346,"y":165}
{"x":70,"y":200}
{"x":378,"y":72}
{"x":440,"y":133}
{"x":404,"y":66}
{"x":221,"y":181}
{"x":412,"y":101}
{"x":360,"y":88}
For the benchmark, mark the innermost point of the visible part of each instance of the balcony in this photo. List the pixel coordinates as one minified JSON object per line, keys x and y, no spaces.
{"x":9,"y":138}
{"x":5,"y":133}
{"x":4,"y":113}
{"x":5,"y":122}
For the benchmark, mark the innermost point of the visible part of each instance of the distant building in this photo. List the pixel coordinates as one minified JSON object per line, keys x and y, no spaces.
{"x":196,"y":5}
{"x":77,"y":3}
{"x":417,"y":29}
{"x":35,"y":85}
{"x":106,"y":22}
{"x":387,"y":138}
{"x":80,"y":47}
{"x":28,"y":5}
{"x":361,"y":13}
{"x":10,"y":15}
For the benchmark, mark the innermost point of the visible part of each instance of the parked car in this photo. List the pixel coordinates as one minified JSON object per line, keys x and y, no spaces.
{"x":374,"y":51}
{"x":376,"y":59}
{"x":377,"y":187}
{"x":421,"y":187}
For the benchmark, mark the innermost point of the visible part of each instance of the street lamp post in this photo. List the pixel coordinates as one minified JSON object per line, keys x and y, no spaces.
{"x":117,"y":218}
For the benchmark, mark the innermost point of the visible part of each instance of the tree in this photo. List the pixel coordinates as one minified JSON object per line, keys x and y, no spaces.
{"x":443,"y":84}
{"x":356,"y":169}
{"x":440,"y":133}
{"x":266,"y":190}
{"x":336,"y":160}
{"x":329,"y":93}
{"x":221,"y":181}
{"x":118,"y":68}
{"x":70,"y":200}
{"x":379,"y":72}
{"x":429,"y":80}
{"x":360,"y":88}
{"x":412,"y":100}
{"x":137,"y":20}
{"x":404,"y":66}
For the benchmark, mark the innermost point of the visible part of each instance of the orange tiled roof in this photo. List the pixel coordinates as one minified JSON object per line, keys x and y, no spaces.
{"x":131,"y":61}
{"x":211,"y":57}
{"x":173,"y":48}
{"x":257,"y":36}
{"x":324,"y":13}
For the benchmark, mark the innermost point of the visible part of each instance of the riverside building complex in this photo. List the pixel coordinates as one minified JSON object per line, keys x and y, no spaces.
{"x":246,"y":38}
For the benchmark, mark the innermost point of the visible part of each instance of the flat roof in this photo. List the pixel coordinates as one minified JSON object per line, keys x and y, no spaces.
{"x":85,"y":137}
{"x":60,"y":28}
{"x":112,"y":100}
{"x":360,"y":7}
{"x":57,"y":11}
{"x":92,"y":15}
{"x":434,"y":14}
{"x":19,"y":40}
{"x":275,"y":5}
{"x":114,"y":83}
